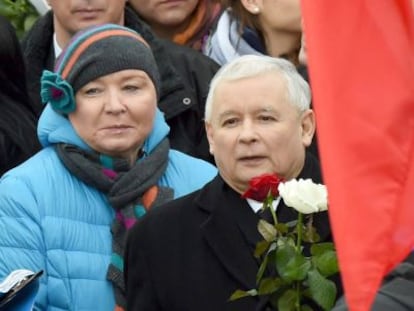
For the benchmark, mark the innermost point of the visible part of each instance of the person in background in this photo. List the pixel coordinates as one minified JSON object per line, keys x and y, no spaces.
{"x":187,"y":22}
{"x":194,"y":252}
{"x":303,"y":53}
{"x":257,"y":27}
{"x":106,"y":161}
{"x":18,"y":139}
{"x":303,"y":71}
{"x":395,"y":292}
{"x":185,"y":73}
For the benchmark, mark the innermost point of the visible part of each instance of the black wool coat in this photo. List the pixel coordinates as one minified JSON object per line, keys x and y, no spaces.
{"x":194,"y":252}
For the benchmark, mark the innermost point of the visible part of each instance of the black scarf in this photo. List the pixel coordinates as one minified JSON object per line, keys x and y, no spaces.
{"x":131,"y":191}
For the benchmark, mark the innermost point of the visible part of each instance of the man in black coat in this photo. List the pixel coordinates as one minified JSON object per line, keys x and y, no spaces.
{"x":194,"y":252}
{"x":185,"y":73}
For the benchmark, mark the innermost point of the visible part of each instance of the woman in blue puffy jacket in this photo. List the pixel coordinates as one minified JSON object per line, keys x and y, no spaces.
{"x":106,"y":161}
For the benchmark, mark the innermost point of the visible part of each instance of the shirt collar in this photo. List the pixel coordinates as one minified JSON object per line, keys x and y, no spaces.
{"x":56,"y":47}
{"x":256,"y":205}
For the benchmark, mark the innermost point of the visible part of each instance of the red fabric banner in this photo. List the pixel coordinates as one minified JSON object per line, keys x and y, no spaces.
{"x":361,"y":66}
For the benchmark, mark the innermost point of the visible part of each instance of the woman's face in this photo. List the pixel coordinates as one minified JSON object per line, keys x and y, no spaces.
{"x":115,"y":113}
{"x":165,"y":13}
{"x":278,"y":15}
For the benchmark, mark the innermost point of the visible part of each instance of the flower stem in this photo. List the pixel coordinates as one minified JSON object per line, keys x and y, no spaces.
{"x":297,"y":303}
{"x":299,"y":229}
{"x":272,"y":211}
{"x":268,"y":203}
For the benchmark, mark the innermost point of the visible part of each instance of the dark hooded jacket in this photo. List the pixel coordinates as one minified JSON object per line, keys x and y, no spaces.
{"x":18,"y":139}
{"x":396,"y":291}
{"x":185,"y":77}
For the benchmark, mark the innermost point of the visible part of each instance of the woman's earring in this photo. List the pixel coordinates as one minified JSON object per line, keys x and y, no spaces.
{"x":256,"y":10}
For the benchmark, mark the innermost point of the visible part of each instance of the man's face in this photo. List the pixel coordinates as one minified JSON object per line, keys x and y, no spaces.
{"x":254,"y":130}
{"x":71,"y":16}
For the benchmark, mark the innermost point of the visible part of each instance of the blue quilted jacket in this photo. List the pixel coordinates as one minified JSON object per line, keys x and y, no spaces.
{"x":51,"y":220}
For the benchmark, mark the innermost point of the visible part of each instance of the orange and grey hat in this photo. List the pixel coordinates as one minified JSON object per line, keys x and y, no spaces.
{"x":92,"y":53}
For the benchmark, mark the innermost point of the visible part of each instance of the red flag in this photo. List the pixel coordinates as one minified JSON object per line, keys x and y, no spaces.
{"x":361,"y":65}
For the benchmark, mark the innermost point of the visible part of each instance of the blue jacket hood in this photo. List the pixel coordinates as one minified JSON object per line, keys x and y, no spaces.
{"x":54,"y":128}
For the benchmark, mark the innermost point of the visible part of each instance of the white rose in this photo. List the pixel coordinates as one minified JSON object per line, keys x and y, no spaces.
{"x":304,"y":195}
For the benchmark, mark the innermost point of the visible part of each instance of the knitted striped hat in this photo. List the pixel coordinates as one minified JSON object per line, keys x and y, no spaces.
{"x":93,"y":53}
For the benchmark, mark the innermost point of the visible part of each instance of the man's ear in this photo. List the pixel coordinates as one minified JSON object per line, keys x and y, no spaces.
{"x":210,"y":133}
{"x":308,"y":126}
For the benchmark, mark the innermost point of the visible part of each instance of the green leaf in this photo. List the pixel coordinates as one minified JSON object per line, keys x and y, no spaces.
{"x":327,"y":263}
{"x":5,"y":10}
{"x":241,"y":294}
{"x":292,"y":224}
{"x":287,"y":301}
{"x":322,"y":290}
{"x":282,"y":228}
{"x":286,"y":240}
{"x":261,"y":248}
{"x":20,"y":13}
{"x":305,"y":308}
{"x":296,"y":269}
{"x":269,"y":286}
{"x":283,"y":254}
{"x":28,"y":22}
{"x":310,"y":235}
{"x":267,"y":230}
{"x":317,"y":249}
{"x":291,"y":265}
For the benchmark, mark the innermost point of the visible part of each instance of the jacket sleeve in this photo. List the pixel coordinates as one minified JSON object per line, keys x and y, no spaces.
{"x":21,"y":242}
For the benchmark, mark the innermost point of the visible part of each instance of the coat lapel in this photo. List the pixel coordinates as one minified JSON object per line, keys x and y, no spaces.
{"x":230,"y":231}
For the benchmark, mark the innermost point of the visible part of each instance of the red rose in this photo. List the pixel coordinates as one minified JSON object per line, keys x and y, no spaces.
{"x":260,"y":186}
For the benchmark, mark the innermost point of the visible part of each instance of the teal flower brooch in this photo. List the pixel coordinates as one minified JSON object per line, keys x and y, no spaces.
{"x":57,"y":92}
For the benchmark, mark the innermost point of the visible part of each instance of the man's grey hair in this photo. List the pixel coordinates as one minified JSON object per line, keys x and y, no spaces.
{"x":298,"y":91}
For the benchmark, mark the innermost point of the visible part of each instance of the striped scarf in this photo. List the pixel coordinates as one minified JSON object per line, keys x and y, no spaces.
{"x":132,"y":191}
